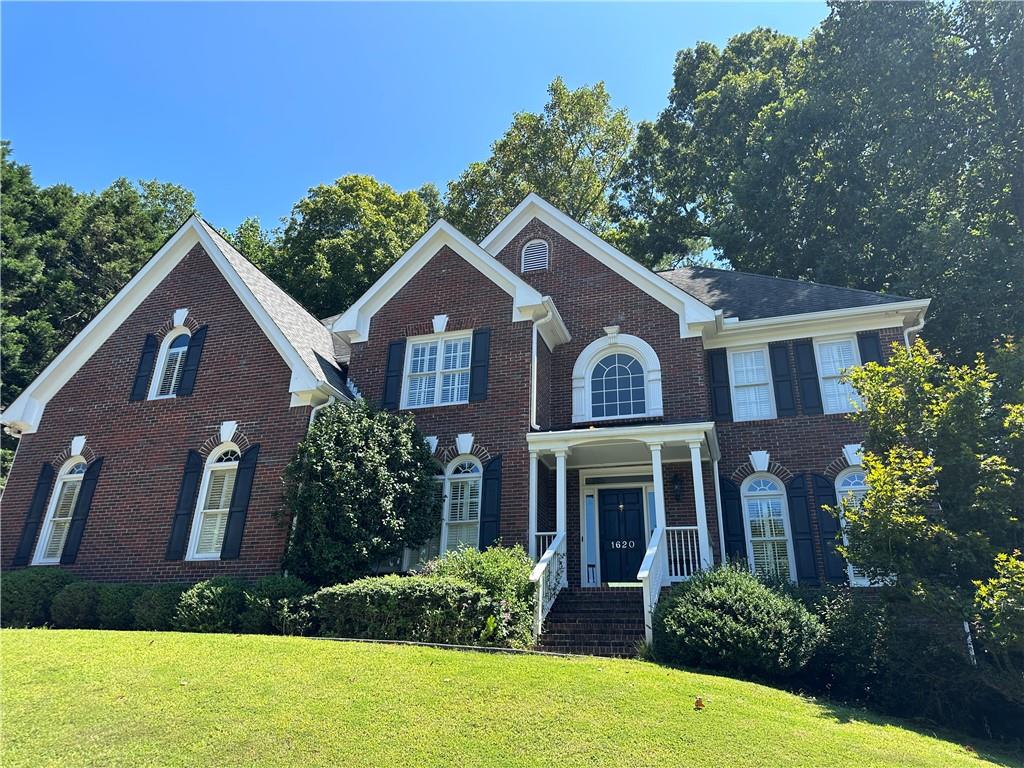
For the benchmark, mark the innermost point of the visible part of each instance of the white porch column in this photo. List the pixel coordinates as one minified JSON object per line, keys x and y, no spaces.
{"x":561,"y":501}
{"x":707,"y":560}
{"x":660,"y":519}
{"x":532,"y":507}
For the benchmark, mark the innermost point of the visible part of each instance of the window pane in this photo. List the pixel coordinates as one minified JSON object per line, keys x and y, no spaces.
{"x":455,"y":387}
{"x":836,"y":356}
{"x":421,"y":389}
{"x":617,"y":387}
{"x":752,"y":402}
{"x":463,"y":535}
{"x":211,"y":533}
{"x":749,"y":367}
{"x":456,"y":354}
{"x":424,"y":358}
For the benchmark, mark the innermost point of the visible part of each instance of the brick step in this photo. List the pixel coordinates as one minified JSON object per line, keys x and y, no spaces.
{"x":579,"y":624}
{"x":614,"y":650}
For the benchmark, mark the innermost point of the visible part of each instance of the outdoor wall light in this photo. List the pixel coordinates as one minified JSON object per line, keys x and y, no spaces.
{"x":677,"y":487}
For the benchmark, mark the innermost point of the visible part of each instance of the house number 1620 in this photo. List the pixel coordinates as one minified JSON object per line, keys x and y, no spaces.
{"x":630,"y":544}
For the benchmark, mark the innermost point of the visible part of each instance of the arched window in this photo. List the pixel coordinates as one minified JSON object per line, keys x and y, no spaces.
{"x":617,"y":376}
{"x":535,"y":255}
{"x":171,"y":365}
{"x":58,"y":515}
{"x":851,"y":487}
{"x":617,"y":387}
{"x":769,"y":543}
{"x":211,"y":517}
{"x":463,"y":483}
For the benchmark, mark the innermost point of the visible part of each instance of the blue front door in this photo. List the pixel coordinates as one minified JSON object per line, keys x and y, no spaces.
{"x":621,"y":514}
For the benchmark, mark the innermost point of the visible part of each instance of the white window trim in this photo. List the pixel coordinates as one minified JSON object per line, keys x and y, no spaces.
{"x":593,"y":353}
{"x":817,"y":362}
{"x":547,"y":255}
{"x":197,"y":512}
{"x":744,"y":495}
{"x":440,"y":338}
{"x":448,"y":477}
{"x":51,"y":509}
{"x":855,"y":580}
{"x":773,"y":411}
{"x":161,"y":361}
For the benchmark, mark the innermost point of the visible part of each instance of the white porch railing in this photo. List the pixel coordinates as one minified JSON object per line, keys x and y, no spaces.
{"x":682,"y":543}
{"x":550,"y":576}
{"x":673,"y":555}
{"x":653,"y":575}
{"x":543,"y":542}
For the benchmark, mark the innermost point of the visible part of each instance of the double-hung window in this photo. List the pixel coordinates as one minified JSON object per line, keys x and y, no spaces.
{"x":165,"y":383}
{"x":769,"y":545}
{"x":58,"y":518}
{"x":834,"y":357}
{"x":437,"y":370}
{"x":751,"y":380}
{"x":462,"y":507}
{"x":851,"y":487}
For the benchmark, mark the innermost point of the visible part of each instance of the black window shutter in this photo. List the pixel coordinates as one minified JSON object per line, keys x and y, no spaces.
{"x":870,"y":348}
{"x":828,"y":524}
{"x":82,"y":506}
{"x":732,"y":521}
{"x":232,"y":545}
{"x":35,"y":515}
{"x":782,"y":379}
{"x":185,"y":507}
{"x":145,"y":369}
{"x":718,"y":371}
{"x":478,"y":365}
{"x":807,"y":376}
{"x":393,"y":376}
{"x":191,"y":367}
{"x":800,"y":528}
{"x":490,"y":505}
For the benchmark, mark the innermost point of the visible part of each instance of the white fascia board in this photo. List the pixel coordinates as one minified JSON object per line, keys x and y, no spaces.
{"x":527,"y":302}
{"x":692,"y":312}
{"x":810,"y":324}
{"x":663,"y":434}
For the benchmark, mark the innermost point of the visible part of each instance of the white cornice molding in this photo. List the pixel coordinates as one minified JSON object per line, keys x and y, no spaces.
{"x":693,"y":313}
{"x":527,"y":303}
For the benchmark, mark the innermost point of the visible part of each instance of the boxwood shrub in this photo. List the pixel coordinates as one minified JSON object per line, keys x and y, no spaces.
{"x":271,"y":606}
{"x":417,"y":608}
{"x":213,"y":605}
{"x":726,"y":619}
{"x":156,"y":607}
{"x":74,"y":607}
{"x":115,"y":604}
{"x":28,"y":594}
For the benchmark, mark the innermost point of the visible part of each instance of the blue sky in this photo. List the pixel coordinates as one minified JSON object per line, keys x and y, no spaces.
{"x":249,"y":105}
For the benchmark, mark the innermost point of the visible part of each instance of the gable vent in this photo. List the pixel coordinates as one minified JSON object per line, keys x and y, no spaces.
{"x":535,"y":255}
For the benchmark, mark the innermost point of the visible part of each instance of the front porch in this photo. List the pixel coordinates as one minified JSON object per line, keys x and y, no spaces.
{"x":632,"y":506}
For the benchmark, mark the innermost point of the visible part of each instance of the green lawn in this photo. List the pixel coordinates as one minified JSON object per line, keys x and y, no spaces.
{"x":136,"y":698}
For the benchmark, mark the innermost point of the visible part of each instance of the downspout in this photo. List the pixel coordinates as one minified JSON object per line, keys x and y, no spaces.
{"x":914,"y":329}
{"x":533,"y":370}
{"x":312,"y":414}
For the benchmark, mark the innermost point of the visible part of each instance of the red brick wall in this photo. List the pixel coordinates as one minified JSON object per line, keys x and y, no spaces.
{"x":450,"y":285}
{"x":144,"y":444}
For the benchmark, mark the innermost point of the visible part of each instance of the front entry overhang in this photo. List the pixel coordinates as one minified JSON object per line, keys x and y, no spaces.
{"x":611,"y":446}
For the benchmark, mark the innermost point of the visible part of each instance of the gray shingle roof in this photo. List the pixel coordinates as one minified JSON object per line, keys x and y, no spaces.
{"x":311,"y":339}
{"x":750,"y":297}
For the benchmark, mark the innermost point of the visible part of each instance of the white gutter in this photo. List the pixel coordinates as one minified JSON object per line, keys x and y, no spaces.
{"x":914,"y":329}
{"x":313,"y":412}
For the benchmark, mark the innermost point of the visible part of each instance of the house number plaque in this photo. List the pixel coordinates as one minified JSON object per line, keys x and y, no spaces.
{"x":624,"y":544}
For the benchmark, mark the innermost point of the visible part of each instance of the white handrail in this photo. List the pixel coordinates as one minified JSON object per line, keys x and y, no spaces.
{"x":652,"y":575}
{"x":550,"y":576}
{"x":543,"y":539}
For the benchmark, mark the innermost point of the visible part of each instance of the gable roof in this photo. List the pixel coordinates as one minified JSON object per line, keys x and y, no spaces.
{"x":693,"y":313}
{"x":304,"y":344}
{"x":527,"y":302}
{"x":749,"y":296}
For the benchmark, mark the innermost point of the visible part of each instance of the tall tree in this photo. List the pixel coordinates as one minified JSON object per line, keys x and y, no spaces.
{"x":570,"y":154}
{"x":883,"y":152}
{"x":341,"y":237}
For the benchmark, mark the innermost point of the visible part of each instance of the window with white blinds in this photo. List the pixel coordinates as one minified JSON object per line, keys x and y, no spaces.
{"x":535,"y":255}
{"x":462,"y":506}
{"x":767,"y":528}
{"x":834,"y":357}
{"x":173,"y":365}
{"x":211,"y":519}
{"x":437,"y":371}
{"x":851,"y":487}
{"x":58,"y":519}
{"x":750,"y":377}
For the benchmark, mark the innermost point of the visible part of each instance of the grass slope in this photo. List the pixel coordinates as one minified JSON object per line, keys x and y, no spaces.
{"x":136,"y":698}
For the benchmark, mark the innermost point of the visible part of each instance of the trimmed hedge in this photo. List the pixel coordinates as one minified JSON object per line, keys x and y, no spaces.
{"x":74,"y":607}
{"x":156,"y":607}
{"x":115,"y":604}
{"x":213,"y":605}
{"x":415,"y":608}
{"x":28,"y":594}
{"x":272,"y":606}
{"x":728,"y":620}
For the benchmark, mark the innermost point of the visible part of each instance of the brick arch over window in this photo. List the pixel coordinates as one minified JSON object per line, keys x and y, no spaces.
{"x":450,"y":452}
{"x":87,"y":453}
{"x":745,"y":470}
{"x":600,"y":349}
{"x":189,"y":324}
{"x":215,"y":441}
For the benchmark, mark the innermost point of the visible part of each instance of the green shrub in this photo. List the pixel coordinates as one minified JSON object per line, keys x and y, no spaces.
{"x":504,"y":574}
{"x":424,"y":609}
{"x":269,"y":597}
{"x":213,"y":605}
{"x":114,"y":605}
{"x":74,"y":607}
{"x":28,"y":593}
{"x":156,"y":607}
{"x":297,"y":616}
{"x":847,"y":662}
{"x":726,"y":619}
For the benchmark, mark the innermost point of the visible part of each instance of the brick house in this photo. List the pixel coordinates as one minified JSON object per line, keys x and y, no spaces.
{"x":626,"y":427}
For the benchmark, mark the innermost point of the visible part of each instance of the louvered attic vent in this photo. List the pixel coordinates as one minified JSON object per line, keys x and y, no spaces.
{"x":535,"y":255}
